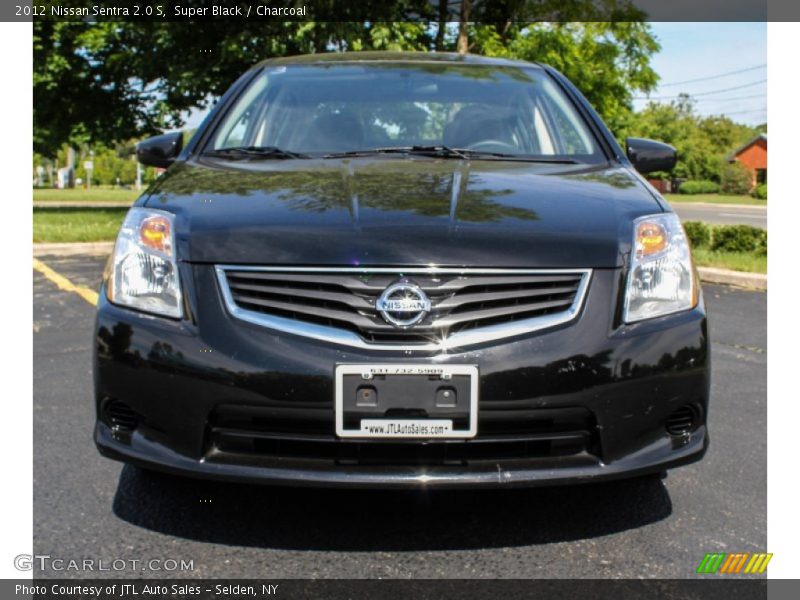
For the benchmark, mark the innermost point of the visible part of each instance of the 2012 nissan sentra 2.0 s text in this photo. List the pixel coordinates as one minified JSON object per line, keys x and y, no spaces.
{"x":402,"y":270}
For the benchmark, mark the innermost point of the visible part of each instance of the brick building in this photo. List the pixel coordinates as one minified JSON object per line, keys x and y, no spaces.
{"x":753,"y":155}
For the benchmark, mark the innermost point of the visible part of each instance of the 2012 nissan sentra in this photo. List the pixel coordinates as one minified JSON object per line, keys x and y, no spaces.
{"x":402,"y":270}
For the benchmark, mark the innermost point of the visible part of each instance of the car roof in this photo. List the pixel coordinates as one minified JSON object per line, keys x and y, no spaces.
{"x":395,"y":57}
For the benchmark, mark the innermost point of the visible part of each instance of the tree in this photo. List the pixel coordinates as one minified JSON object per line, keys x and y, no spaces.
{"x":109,"y":81}
{"x":608,"y":62}
{"x":703,"y":143}
{"x":104,"y":82}
{"x":736,"y":179}
{"x":462,"y":45}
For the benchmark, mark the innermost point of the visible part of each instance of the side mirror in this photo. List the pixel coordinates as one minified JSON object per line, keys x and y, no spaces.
{"x":161,"y":150}
{"x":648,"y":155}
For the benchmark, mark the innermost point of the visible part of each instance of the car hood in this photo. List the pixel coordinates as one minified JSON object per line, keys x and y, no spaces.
{"x":402,"y":211}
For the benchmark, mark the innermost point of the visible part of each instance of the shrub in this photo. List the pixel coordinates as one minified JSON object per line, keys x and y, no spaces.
{"x":698,"y":187}
{"x":762,"y":239}
{"x":698,"y":234}
{"x":740,"y":238}
{"x":736,"y":179}
{"x":761,"y":191}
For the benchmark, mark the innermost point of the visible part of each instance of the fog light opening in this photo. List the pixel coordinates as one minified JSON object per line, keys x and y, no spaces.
{"x":683,"y":421}
{"x":121,"y":417}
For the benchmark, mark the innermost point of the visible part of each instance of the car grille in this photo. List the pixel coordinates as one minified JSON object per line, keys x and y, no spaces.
{"x":507,"y":431}
{"x":463,"y":302}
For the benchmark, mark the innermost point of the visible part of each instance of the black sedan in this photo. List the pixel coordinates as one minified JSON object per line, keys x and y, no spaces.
{"x":402,"y":270}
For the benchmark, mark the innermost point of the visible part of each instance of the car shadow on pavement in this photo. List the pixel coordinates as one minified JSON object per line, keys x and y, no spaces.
{"x":367,"y":520}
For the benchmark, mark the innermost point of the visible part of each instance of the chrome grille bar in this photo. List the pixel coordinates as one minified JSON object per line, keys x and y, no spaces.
{"x":468,"y":306}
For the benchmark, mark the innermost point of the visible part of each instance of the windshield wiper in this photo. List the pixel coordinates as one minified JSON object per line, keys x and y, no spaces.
{"x":440,"y":151}
{"x":522,"y":157}
{"x":254,"y":152}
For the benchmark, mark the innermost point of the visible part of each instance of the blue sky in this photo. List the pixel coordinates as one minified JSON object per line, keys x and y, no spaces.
{"x":692,"y":51}
{"x":702,"y":50}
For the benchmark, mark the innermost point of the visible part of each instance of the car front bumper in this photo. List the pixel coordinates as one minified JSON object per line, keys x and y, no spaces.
{"x":657,"y":457}
{"x":174,"y":378}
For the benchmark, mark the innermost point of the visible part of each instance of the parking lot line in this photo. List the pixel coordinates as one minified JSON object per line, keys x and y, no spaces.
{"x":65,"y":284}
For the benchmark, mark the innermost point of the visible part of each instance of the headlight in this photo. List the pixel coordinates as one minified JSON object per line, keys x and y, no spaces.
{"x":661,"y":279}
{"x":144,"y":272}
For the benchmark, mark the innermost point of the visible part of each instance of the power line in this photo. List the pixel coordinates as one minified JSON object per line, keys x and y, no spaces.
{"x":720,"y":76}
{"x":730,"y":89}
{"x":745,"y":112}
{"x":733,"y":98}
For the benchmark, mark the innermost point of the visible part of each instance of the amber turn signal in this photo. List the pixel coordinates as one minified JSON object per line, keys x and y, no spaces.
{"x":155,"y":233}
{"x":651,"y":238}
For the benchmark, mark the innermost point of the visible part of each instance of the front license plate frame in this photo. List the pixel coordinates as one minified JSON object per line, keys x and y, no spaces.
{"x":442,"y":429}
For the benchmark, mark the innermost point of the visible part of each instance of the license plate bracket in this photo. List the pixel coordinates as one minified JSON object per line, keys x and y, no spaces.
{"x":406,"y":401}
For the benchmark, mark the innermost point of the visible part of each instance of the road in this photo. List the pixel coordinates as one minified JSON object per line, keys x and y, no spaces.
{"x":722,"y":214}
{"x":88,"y":506}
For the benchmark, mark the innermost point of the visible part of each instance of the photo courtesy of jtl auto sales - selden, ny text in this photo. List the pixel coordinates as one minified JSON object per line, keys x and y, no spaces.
{"x":400,"y":299}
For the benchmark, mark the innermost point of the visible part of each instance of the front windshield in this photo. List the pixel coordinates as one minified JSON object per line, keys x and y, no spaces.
{"x":338,"y":108}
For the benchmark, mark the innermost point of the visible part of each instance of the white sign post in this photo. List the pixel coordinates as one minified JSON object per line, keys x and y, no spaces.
{"x":89,"y":167}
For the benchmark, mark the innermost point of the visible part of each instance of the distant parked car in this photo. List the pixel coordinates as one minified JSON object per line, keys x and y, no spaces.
{"x":402,"y":270}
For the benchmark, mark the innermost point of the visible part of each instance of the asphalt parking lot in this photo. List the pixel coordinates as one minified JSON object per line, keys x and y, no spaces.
{"x":86,"y":506}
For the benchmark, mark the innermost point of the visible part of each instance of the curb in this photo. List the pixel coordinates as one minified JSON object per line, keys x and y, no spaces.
{"x":751,"y":281}
{"x":67,"y":249}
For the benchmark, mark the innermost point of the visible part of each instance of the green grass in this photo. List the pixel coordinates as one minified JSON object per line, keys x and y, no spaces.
{"x":737,"y":261}
{"x":715,"y":199}
{"x":82,"y":195}
{"x":77,"y":224}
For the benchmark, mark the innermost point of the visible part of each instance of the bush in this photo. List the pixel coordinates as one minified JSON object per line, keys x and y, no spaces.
{"x":740,"y":238}
{"x":698,"y":187}
{"x":736,"y":179}
{"x":698,"y":234}
{"x":761,"y":191}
